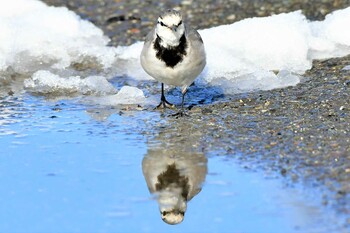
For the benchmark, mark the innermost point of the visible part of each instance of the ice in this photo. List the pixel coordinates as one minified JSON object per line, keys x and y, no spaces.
{"x":46,"y":83}
{"x":270,"y":43}
{"x":48,"y":46}
{"x":127,"y":95}
{"x":258,"y":80}
{"x":128,"y":61}
{"x":34,"y":36}
{"x":130,"y":95}
{"x":331,"y":36}
{"x":242,"y":56}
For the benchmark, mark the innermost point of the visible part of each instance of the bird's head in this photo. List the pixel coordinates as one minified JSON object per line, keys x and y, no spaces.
{"x":172,"y":206}
{"x":170,"y":28}
{"x":173,"y":217}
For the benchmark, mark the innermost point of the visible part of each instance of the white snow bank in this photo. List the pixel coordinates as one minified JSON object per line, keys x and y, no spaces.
{"x":250,"y":49}
{"x":270,"y":43}
{"x":242,"y":56}
{"x":128,"y":61}
{"x":331,"y":37}
{"x":35,"y":36}
{"x":46,"y":83}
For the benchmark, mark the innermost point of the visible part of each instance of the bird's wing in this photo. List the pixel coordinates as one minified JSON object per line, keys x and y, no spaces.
{"x":198,"y":173}
{"x":150,"y":36}
{"x":193,"y":35}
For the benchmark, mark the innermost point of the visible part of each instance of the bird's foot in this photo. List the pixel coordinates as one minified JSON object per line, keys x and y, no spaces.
{"x":165,"y":104}
{"x":180,"y":113}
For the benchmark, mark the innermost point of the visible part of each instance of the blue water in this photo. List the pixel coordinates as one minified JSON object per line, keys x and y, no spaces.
{"x":66,"y":167}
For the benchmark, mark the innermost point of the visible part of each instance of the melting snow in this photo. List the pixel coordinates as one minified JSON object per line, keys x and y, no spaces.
{"x":35,"y":36}
{"x":126,"y":95}
{"x":45,"y":82}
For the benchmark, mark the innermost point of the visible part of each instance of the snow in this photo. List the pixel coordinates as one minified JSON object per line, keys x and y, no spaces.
{"x":331,"y":37}
{"x":128,"y":62}
{"x":127,"y":95}
{"x":35,"y":36}
{"x":271,"y":43}
{"x":46,"y":83}
{"x":43,"y":44}
{"x":251,"y":49}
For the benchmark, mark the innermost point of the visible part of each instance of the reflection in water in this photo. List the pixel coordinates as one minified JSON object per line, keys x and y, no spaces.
{"x":175,"y":177}
{"x":11,"y":111}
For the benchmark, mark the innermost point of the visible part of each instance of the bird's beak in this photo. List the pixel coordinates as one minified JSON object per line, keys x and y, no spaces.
{"x":174,"y":28}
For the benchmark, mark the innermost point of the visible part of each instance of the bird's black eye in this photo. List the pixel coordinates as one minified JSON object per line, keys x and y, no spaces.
{"x":161,"y":23}
{"x":179,"y":23}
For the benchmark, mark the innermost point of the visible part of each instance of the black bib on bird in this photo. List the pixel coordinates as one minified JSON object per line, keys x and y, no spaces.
{"x":173,"y":54}
{"x":172,"y":177}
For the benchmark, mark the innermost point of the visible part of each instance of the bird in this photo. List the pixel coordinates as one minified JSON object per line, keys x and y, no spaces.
{"x":173,"y":54}
{"x":175,"y":176}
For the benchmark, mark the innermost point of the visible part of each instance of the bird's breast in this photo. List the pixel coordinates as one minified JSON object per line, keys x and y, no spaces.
{"x":170,"y":55}
{"x":178,"y":70}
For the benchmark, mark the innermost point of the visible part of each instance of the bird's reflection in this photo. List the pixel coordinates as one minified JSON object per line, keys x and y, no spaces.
{"x":175,"y":177}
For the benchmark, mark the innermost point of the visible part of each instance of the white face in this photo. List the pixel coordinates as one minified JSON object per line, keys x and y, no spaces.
{"x":170,"y":29}
{"x":172,"y":206}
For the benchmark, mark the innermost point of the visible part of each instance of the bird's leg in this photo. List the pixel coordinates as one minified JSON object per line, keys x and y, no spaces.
{"x":183,"y":101}
{"x":163,"y":102}
{"x":181,"y":112}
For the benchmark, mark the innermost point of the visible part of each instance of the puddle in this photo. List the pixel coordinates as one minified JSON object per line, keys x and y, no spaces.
{"x":66,"y":168}
{"x":87,"y":165}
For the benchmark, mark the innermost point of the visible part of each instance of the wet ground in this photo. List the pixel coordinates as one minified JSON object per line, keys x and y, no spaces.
{"x":68,"y":167}
{"x":300,"y":133}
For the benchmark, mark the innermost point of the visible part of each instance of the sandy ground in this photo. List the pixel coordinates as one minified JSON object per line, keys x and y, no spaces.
{"x":301,"y":132}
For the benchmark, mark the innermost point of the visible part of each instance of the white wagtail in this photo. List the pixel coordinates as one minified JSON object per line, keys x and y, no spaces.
{"x":175,"y":176}
{"x":173,"y":54}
